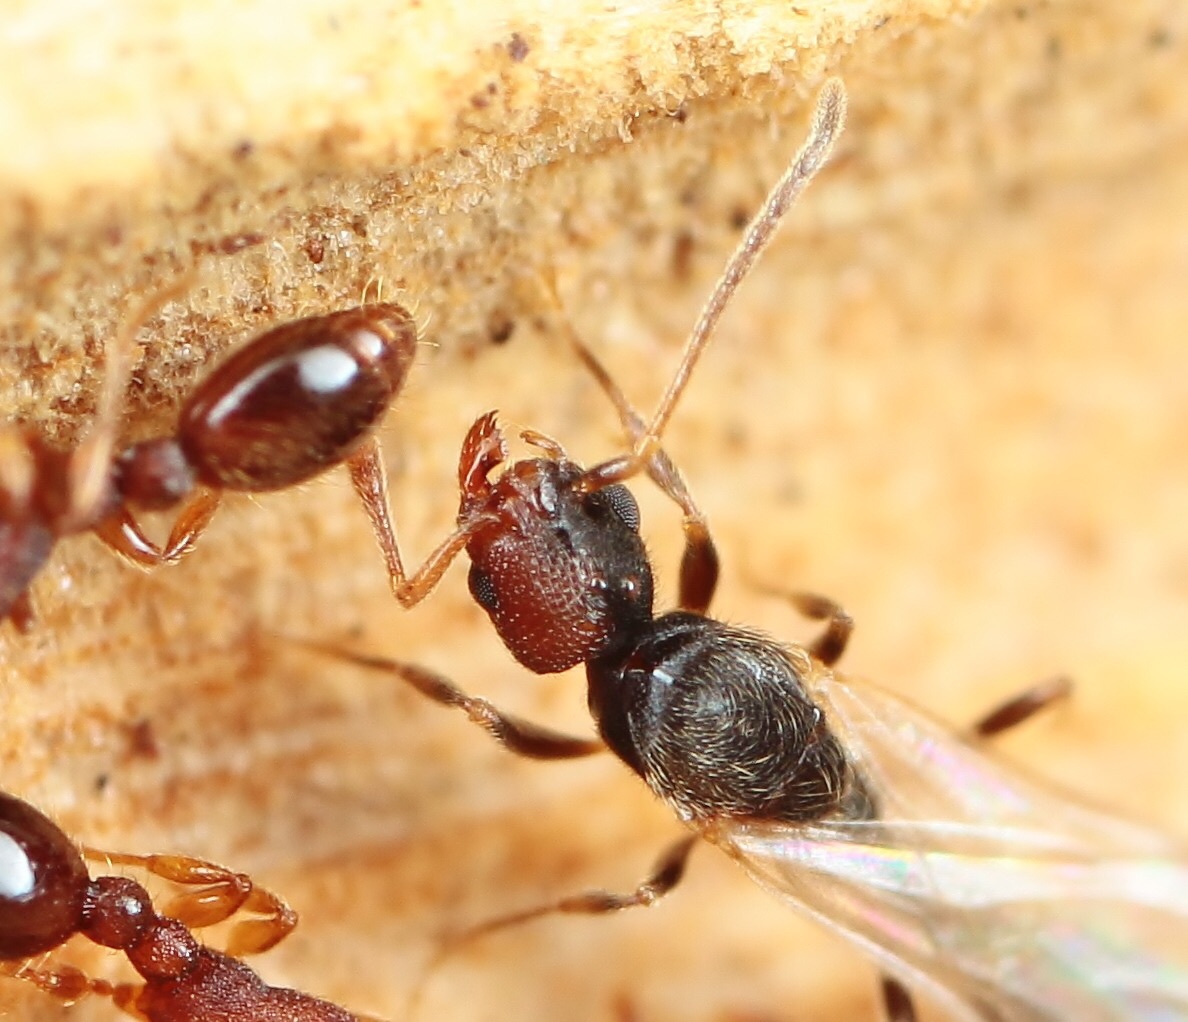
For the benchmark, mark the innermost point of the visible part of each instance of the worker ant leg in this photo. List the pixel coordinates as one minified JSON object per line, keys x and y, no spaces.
{"x":222,"y":893}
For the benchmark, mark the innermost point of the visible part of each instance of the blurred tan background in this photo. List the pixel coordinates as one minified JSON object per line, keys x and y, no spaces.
{"x":954,"y":397}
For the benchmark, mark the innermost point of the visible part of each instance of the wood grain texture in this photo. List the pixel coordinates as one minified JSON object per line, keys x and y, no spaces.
{"x":953,"y":397}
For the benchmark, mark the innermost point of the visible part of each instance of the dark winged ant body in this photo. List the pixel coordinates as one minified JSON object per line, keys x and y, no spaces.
{"x":47,"y":896}
{"x":1004,"y":902}
{"x":295,"y":401}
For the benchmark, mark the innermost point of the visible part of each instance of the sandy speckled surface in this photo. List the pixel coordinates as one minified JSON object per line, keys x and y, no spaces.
{"x":953,"y":397}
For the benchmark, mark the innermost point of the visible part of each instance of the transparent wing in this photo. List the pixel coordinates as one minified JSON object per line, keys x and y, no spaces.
{"x":979,"y":886}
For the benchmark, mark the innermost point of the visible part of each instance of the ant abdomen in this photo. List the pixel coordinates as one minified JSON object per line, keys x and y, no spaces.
{"x":718,"y":722}
{"x":43,"y":882}
{"x":296,"y":401}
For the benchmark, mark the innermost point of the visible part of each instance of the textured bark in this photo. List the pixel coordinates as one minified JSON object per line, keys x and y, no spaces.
{"x":953,"y":397}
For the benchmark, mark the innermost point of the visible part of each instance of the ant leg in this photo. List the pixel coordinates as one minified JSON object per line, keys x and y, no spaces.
{"x":668,"y":872}
{"x":371,"y":484}
{"x":519,"y":736}
{"x":1022,"y":707}
{"x":897,"y":1001}
{"x":70,"y":984}
{"x":122,"y":532}
{"x":831,"y":643}
{"x":223,"y":893}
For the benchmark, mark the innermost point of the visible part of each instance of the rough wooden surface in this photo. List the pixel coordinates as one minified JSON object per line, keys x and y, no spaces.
{"x":953,"y":397}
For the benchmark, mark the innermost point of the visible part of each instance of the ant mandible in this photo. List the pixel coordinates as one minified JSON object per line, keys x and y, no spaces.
{"x":295,"y":401}
{"x":959,"y":877}
{"x":47,"y":896}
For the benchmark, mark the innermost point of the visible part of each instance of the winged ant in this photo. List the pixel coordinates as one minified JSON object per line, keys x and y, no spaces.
{"x":961,"y":878}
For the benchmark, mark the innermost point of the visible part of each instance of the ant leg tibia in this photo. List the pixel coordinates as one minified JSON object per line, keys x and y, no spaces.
{"x":1023,"y":706}
{"x":371,"y":484}
{"x":123,"y":533}
{"x":221,"y":894}
{"x":897,"y":1001}
{"x":522,"y":737}
{"x":831,"y":643}
{"x":668,"y":872}
{"x":700,"y":567}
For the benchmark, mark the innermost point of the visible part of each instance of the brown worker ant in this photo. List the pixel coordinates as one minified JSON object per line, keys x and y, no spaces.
{"x":963,"y":880}
{"x":295,"y":401}
{"x":47,"y":896}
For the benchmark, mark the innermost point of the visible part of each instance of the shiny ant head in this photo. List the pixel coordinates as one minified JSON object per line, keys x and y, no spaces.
{"x":561,"y":568}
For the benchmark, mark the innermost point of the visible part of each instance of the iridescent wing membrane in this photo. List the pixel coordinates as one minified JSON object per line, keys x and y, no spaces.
{"x":977,"y":885}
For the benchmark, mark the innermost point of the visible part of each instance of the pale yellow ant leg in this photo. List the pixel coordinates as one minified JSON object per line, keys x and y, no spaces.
{"x":18,"y":472}
{"x":223,"y":893}
{"x":122,"y":533}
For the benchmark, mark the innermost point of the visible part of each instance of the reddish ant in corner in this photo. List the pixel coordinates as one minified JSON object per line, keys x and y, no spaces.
{"x":47,"y":896}
{"x":297,"y":400}
{"x":963,"y":880}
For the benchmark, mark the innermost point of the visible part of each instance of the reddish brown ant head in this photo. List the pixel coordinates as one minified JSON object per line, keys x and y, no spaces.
{"x":562,"y":572}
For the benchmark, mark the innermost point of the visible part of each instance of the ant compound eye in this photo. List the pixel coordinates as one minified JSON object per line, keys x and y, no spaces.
{"x":482,"y":589}
{"x":622,"y":503}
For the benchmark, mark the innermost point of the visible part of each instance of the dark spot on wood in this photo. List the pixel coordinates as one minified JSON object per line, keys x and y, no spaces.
{"x":315,"y":249}
{"x":517,"y":47}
